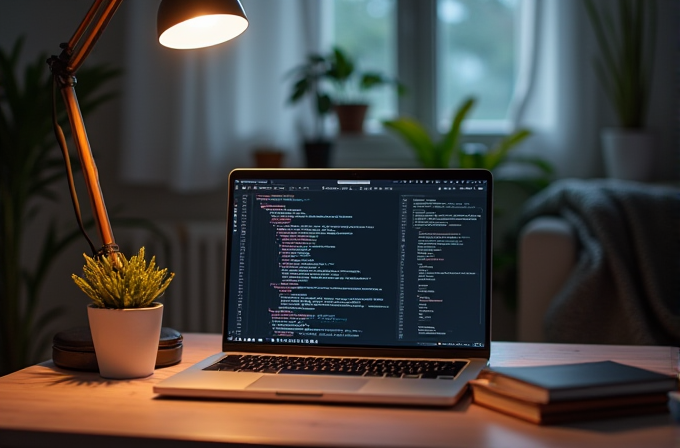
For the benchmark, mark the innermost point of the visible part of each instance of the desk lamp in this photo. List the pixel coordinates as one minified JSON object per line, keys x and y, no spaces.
{"x":181,"y":24}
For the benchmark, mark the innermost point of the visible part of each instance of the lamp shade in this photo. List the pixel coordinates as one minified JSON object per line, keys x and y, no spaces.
{"x":184,"y":24}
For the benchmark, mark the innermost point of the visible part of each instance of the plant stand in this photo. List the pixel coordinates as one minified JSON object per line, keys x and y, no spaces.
{"x":317,"y":153}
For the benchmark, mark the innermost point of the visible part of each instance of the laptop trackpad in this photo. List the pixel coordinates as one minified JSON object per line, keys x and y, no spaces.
{"x":307,"y":384}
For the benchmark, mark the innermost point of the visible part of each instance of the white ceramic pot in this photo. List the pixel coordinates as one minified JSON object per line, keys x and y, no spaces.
{"x":628,"y":154}
{"x":126,"y":340}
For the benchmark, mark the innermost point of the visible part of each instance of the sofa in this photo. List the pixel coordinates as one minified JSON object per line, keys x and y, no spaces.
{"x":599,"y":262}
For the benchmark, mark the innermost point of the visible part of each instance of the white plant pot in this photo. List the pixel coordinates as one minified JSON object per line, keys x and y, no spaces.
{"x":628,"y":154}
{"x":126,"y":340}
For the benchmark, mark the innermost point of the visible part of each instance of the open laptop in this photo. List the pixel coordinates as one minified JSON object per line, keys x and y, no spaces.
{"x":352,"y":285}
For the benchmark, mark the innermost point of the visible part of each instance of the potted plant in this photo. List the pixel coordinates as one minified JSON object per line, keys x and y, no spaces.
{"x":350,"y":86}
{"x":626,"y":39}
{"x":125,"y":319}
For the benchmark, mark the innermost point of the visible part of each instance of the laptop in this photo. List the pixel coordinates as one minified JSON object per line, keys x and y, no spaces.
{"x":351,"y":285}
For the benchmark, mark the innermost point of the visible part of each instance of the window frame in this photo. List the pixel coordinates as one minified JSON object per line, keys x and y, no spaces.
{"x":417,"y":69}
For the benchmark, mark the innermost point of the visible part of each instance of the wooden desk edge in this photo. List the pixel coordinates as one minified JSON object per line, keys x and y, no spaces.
{"x":199,"y":346}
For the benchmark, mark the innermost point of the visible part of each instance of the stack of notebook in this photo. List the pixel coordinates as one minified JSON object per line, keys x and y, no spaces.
{"x":573,"y":392}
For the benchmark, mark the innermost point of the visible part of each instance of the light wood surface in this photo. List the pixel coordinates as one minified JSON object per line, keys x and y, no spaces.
{"x":47,"y":406}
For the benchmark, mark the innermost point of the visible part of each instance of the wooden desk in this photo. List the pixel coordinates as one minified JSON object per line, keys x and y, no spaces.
{"x":46,"y":406}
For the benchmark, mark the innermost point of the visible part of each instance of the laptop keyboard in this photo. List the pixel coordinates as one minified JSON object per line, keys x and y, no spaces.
{"x":369,"y":367}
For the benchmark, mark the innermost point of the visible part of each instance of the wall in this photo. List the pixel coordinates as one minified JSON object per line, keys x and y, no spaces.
{"x":46,"y":23}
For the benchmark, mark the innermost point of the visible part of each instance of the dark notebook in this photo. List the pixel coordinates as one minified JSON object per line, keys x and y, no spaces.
{"x":569,"y":410}
{"x":547,"y":384}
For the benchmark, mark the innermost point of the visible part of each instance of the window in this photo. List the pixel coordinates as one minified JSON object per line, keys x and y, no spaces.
{"x":367,"y":30}
{"x":474,"y":54}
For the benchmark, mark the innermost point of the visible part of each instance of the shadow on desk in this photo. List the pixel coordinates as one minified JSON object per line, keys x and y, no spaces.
{"x":461,"y":406}
{"x":53,"y":375}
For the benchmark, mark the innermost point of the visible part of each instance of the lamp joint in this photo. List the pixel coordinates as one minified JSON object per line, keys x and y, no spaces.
{"x":58,"y":66}
{"x":111,"y":252}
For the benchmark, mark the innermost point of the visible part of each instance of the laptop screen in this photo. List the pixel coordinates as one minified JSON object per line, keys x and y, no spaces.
{"x":354,"y":258}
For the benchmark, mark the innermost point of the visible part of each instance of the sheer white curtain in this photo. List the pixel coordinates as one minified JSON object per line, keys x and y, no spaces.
{"x":564,"y":105}
{"x":190,"y":116}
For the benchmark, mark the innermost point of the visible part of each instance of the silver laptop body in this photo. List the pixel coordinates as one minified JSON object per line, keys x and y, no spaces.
{"x":389,"y":264}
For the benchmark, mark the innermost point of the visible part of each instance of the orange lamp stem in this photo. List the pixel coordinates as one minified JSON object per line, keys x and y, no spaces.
{"x":231,"y":21}
{"x":63,"y":69}
{"x":90,"y":173}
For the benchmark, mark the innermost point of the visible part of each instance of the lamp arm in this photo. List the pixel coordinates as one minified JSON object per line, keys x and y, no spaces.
{"x":104,"y":10}
{"x":63,"y":69}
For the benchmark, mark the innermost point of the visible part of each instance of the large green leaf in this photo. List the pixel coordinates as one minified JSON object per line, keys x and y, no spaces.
{"x":341,"y":66}
{"x":499,"y":153}
{"x":416,"y":136}
{"x":449,"y":144}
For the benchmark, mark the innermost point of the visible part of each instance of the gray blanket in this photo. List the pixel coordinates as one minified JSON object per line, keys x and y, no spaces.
{"x":625,"y":287}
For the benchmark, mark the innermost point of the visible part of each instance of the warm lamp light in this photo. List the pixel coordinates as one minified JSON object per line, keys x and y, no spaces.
{"x":181,"y":24}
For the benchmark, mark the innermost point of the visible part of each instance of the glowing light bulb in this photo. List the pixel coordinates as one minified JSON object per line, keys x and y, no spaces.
{"x":203,"y":31}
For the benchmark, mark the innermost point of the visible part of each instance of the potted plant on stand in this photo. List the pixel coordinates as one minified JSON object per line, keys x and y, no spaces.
{"x":626,"y":39}
{"x":334,"y":84}
{"x":125,"y":319}
{"x":309,"y":77}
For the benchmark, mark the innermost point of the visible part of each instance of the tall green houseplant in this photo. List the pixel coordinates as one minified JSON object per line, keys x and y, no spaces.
{"x":626,"y":35}
{"x":30,"y":166}
{"x":448,"y":149}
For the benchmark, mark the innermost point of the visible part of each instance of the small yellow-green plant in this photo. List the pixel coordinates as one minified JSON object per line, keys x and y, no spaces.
{"x":131,"y":285}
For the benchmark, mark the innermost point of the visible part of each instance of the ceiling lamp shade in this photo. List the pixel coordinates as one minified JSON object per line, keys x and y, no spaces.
{"x":184,"y":24}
